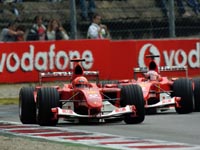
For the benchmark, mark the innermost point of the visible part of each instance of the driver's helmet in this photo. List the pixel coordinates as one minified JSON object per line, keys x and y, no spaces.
{"x":153,"y":66}
{"x":80,"y":82}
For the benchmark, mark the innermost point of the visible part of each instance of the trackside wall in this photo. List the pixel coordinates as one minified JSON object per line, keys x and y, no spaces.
{"x":21,"y":61}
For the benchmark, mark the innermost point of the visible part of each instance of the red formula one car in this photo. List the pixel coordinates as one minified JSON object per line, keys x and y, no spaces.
{"x":162,"y":93}
{"x":80,"y":100}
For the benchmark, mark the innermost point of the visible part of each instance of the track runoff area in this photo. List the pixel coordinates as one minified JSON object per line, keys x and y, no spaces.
{"x":59,"y":134}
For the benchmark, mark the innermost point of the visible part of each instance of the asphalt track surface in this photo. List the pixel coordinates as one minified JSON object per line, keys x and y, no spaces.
{"x":166,"y":126}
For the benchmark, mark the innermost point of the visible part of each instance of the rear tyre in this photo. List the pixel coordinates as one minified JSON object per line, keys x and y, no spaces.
{"x":47,"y":98}
{"x":197,"y":94}
{"x":183,"y":88}
{"x":132,"y":95}
{"x":27,"y":106}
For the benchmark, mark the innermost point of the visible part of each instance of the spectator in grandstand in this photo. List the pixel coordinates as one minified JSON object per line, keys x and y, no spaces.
{"x":194,"y":4}
{"x":87,"y":11}
{"x":55,"y":31}
{"x":38,"y":30}
{"x":181,"y":8}
{"x":16,"y":13}
{"x":14,"y":9}
{"x":21,"y":36}
{"x":10,"y":33}
{"x":97,"y":30}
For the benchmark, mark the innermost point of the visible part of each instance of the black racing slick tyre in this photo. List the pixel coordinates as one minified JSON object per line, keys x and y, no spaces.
{"x":132,"y":95}
{"x":47,"y":98}
{"x":27,"y":106}
{"x":183,"y":88}
{"x":197,"y":94}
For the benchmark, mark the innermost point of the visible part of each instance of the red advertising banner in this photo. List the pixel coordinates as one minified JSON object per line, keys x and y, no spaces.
{"x":172,"y":52}
{"x":21,"y":61}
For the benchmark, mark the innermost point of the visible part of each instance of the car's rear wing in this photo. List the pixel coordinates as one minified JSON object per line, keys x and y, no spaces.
{"x":161,"y":69}
{"x":68,"y":75}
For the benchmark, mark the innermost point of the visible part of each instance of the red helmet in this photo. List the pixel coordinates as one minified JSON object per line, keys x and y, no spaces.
{"x":80,"y":82}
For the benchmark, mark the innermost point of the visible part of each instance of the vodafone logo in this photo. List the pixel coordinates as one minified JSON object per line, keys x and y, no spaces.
{"x":148,"y":49}
{"x":171,"y":57}
{"x":43,"y":61}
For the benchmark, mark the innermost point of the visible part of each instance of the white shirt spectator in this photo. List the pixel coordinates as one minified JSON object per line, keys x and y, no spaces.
{"x":93,"y":31}
{"x":97,"y":30}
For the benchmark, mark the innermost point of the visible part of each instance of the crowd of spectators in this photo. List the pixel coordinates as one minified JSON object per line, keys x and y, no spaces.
{"x":54,"y":29}
{"x":38,"y":32}
{"x":194,"y":4}
{"x":96,"y":30}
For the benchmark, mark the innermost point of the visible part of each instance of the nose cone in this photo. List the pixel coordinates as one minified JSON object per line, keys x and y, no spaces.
{"x":94,"y":99}
{"x":95,"y":102}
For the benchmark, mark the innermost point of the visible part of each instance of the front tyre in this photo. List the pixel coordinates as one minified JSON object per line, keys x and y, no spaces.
{"x":47,"y":98}
{"x":27,"y":106}
{"x":132,"y":95}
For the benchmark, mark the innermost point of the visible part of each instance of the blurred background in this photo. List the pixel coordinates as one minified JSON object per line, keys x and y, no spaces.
{"x":125,"y":19}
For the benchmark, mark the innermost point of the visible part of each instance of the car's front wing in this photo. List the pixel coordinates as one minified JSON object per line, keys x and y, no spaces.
{"x":116,"y":112}
{"x":165,"y":102}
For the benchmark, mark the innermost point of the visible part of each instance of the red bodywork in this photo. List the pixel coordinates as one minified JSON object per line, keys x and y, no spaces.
{"x":88,"y":101}
{"x":159,"y":93}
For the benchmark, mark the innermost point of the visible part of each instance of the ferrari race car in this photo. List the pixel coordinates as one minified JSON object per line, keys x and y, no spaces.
{"x":80,"y":100}
{"x":162,"y":93}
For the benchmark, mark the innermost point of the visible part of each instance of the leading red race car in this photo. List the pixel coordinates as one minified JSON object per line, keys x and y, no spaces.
{"x":80,"y":100}
{"x":162,"y":93}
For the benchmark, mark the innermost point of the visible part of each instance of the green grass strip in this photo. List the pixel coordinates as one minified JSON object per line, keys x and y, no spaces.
{"x":9,"y":101}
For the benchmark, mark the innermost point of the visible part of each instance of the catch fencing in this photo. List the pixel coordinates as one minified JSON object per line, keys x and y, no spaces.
{"x":125,"y":19}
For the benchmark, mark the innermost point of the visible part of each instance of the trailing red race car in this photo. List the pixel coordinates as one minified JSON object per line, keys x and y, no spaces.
{"x":80,"y":100}
{"x":162,"y":93}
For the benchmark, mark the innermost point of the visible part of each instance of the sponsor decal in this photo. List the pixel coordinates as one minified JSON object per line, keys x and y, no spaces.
{"x":146,"y":50}
{"x":171,"y":57}
{"x":43,"y":61}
